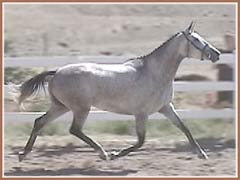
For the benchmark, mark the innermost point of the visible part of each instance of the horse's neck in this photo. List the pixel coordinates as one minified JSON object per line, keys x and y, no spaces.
{"x":164,"y":62}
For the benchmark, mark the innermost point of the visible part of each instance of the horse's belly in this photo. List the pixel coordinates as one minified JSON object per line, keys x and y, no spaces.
{"x":114,"y":106}
{"x":134,"y":104}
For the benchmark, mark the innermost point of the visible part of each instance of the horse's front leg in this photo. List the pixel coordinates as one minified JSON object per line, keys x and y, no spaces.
{"x":140,"y":129}
{"x":171,"y":114}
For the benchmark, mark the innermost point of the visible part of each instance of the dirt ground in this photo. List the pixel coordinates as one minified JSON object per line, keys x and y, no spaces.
{"x":67,"y":156}
{"x":107,"y":29}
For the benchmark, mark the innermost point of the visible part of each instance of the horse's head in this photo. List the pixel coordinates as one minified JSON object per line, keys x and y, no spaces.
{"x":199,"y":48}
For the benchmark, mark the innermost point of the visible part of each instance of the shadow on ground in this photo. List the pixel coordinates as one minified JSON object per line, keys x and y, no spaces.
{"x":55,"y":150}
{"x":69,"y":171}
{"x":209,"y":144}
{"x":214,"y":145}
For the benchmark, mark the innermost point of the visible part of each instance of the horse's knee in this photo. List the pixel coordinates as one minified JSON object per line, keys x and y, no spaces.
{"x":75,"y":131}
{"x":38,"y":124}
{"x":76,"y":128}
{"x":72,"y":131}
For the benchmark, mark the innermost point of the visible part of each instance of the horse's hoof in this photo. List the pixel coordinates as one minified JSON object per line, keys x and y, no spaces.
{"x":21,"y":156}
{"x":202,"y":155}
{"x":113,"y":155}
{"x":104,"y":156}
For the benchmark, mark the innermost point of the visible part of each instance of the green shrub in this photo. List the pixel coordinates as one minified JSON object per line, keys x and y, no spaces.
{"x":199,"y":128}
{"x":54,"y":128}
{"x":24,"y":129}
{"x":19,"y":75}
{"x":7,"y":46}
{"x":110,"y":127}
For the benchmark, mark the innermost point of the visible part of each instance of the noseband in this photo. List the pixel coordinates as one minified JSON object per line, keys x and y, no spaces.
{"x":197,"y":47}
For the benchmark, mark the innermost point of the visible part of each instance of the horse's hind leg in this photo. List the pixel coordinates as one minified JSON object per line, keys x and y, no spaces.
{"x":76,"y":129}
{"x":140,"y":130}
{"x":54,"y":112}
{"x":170,"y":113}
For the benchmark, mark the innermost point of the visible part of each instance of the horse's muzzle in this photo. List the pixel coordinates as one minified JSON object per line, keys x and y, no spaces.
{"x":215,"y":56}
{"x":215,"y":59}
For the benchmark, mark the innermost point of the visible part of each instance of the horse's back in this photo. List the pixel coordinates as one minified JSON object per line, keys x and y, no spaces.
{"x":89,"y":82}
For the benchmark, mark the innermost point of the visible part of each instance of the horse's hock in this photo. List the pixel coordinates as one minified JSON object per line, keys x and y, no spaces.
{"x":225,"y":72}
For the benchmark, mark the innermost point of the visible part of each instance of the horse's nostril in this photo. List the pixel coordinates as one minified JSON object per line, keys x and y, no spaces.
{"x":209,"y":55}
{"x":215,"y":59}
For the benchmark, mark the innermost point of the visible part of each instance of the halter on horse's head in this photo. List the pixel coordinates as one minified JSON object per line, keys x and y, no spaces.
{"x":196,"y":42}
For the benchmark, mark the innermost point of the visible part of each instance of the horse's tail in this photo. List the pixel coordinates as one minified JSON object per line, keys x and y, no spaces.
{"x":33,"y":85}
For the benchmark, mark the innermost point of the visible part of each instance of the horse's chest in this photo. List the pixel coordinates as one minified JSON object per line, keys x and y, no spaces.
{"x":153,"y":101}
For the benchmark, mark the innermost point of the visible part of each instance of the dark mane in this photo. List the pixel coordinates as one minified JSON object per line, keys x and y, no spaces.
{"x":156,"y":49}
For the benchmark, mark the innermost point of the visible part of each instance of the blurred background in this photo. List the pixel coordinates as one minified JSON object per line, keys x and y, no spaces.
{"x":38,"y":31}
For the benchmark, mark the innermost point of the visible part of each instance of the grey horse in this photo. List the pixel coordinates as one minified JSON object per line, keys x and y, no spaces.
{"x":139,"y":87}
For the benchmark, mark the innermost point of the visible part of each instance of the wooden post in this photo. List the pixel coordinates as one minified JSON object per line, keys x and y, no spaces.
{"x":226,"y":73}
{"x":45,"y":44}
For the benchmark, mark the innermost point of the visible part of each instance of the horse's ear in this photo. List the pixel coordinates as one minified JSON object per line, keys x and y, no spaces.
{"x":190,"y":28}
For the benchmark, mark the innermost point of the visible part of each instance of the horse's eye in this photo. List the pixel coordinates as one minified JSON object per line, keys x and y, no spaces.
{"x":195,"y":39}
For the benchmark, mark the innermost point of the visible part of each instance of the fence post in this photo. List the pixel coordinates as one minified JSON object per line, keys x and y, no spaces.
{"x":226,"y":72}
{"x":45,"y":44}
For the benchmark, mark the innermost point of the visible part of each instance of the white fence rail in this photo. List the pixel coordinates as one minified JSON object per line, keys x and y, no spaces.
{"x":49,"y":62}
{"x":104,"y":115}
{"x":178,"y":87}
